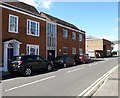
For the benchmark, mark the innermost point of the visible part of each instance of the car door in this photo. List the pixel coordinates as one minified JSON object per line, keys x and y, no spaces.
{"x":41,"y":62}
{"x":31,"y":61}
{"x":70,"y":61}
{"x":67,"y":60}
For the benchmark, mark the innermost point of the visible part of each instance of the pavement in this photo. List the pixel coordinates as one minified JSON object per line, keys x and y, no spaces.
{"x":4,"y":75}
{"x":110,"y":86}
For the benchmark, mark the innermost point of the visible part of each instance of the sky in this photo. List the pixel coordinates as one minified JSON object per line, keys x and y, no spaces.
{"x":98,"y":19}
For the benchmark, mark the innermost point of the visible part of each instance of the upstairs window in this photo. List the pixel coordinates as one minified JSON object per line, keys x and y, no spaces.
{"x":65,"y":33}
{"x":51,"y":35}
{"x":32,"y":28}
{"x":73,"y":35}
{"x":13,"y":23}
{"x":80,"y":37}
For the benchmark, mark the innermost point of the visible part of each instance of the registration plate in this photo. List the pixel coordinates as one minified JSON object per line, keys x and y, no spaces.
{"x":12,"y":64}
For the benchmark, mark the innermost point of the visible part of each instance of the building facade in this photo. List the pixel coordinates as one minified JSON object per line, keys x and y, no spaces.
{"x":26,"y":32}
{"x":98,"y":47}
{"x":116,"y":47}
{"x":64,"y":38}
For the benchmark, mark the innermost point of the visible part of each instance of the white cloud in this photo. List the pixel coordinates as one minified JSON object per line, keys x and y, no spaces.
{"x":30,"y":2}
{"x":47,"y":3}
{"x":38,"y":3}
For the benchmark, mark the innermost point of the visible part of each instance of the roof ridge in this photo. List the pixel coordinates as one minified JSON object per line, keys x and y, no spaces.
{"x":18,"y":5}
{"x":55,"y":18}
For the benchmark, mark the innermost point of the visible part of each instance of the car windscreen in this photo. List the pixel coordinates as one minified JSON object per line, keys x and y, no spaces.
{"x":58,"y":58}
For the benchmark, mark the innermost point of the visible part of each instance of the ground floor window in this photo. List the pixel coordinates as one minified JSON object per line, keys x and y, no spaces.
{"x":32,"y":49}
{"x":73,"y":50}
{"x":65,"y":50}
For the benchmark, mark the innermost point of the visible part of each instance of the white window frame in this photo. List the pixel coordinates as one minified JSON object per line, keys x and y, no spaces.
{"x":63,"y":50}
{"x":74,"y":35}
{"x":73,"y":50}
{"x":80,"y":37}
{"x":66,"y":33}
{"x":10,"y":15}
{"x":37,"y":29}
{"x":36,"y":47}
{"x":80,"y":51}
{"x":51,"y":34}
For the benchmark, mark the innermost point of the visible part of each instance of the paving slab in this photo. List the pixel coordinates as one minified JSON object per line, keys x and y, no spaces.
{"x":110,"y":87}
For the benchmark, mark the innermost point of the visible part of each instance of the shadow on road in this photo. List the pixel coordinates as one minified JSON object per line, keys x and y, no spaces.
{"x":35,"y":73}
{"x":118,"y":79}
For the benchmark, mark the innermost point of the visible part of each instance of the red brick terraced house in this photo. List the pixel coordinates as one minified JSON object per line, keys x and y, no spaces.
{"x":25,"y":31}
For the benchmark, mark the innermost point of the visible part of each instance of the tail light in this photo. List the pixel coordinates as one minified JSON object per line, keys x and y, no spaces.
{"x":89,"y":57}
{"x":19,"y":62}
{"x":82,"y":57}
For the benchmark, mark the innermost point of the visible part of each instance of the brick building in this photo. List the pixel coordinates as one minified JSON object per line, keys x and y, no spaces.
{"x":98,"y":46}
{"x":25,"y":31}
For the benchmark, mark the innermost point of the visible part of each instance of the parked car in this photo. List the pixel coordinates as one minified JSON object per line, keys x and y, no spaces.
{"x":84,"y":58}
{"x":63,"y":61}
{"x":26,"y":64}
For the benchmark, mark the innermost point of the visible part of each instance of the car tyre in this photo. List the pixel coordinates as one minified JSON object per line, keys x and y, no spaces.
{"x":84,"y":62}
{"x":49,"y":67}
{"x":64,"y":65}
{"x":74,"y":63}
{"x":28,"y":71}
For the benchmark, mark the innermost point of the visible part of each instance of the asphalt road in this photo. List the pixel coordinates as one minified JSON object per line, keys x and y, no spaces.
{"x":71,"y":81}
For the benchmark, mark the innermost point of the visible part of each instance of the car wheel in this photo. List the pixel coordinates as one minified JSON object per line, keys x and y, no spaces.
{"x":49,"y":67}
{"x":74,"y":63}
{"x":64,"y":65}
{"x":27,"y":71}
{"x":84,"y":62}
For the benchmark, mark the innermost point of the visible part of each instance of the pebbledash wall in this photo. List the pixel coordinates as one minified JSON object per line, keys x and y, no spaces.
{"x":26,"y":33}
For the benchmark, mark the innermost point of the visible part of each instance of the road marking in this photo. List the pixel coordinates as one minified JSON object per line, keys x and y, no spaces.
{"x":94,"y":64}
{"x":75,"y":70}
{"x":88,"y":90}
{"x":29,"y":83}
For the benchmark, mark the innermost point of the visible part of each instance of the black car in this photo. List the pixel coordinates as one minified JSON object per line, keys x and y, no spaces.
{"x":63,"y":61}
{"x":26,"y":64}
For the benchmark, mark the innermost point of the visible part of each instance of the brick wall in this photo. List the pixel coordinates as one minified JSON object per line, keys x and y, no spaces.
{"x":22,"y":35}
{"x":107,"y":43}
{"x":69,"y":42}
{"x":96,"y":44}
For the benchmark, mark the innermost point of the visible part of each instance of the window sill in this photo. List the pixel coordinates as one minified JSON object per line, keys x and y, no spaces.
{"x":73,"y":53}
{"x":65,"y":53}
{"x":14,"y":32}
{"x":33,"y":35}
{"x":73,"y":39}
{"x":65,"y":37}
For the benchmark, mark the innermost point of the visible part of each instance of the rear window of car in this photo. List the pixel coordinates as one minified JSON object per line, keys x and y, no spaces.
{"x":58,"y":58}
{"x":19,"y":58}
